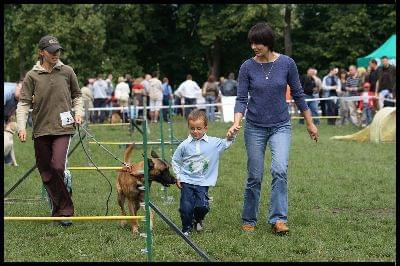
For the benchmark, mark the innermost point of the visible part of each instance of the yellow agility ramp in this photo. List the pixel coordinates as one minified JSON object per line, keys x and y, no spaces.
{"x":382,"y":128}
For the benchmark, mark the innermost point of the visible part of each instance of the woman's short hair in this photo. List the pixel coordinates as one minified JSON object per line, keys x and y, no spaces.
{"x":262,"y":33}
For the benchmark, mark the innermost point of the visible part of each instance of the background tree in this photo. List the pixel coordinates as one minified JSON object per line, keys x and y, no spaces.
{"x":200,"y":39}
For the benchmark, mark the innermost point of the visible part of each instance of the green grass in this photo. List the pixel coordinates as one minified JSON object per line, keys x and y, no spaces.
{"x":341,"y":206}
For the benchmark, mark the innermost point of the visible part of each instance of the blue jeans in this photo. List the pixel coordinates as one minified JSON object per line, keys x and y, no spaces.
{"x":256,"y":139}
{"x":193,"y":205}
{"x":189,"y":101}
{"x":313,"y":105}
{"x":210,"y":109}
{"x":367,"y":114}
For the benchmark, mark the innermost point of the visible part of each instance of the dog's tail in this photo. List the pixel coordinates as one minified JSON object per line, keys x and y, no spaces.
{"x":128,"y":152}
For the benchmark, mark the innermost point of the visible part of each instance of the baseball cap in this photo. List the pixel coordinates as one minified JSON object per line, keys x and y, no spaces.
{"x":49,"y":43}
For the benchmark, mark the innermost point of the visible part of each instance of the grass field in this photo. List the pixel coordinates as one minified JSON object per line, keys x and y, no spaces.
{"x":342,"y":204}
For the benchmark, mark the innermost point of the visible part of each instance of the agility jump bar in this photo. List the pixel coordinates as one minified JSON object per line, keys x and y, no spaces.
{"x":94,"y":168}
{"x":300,"y":117}
{"x":73,"y":218}
{"x":136,"y":143}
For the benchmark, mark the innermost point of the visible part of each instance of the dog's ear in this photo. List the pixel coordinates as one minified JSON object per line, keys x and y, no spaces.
{"x":154,"y":154}
{"x":151,"y":163}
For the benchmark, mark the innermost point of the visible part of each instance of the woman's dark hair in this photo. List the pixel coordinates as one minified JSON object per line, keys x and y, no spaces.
{"x":211,"y":78}
{"x":86,"y":82}
{"x":262,"y":33}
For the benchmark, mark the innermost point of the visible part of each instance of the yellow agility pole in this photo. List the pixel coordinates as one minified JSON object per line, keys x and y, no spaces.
{"x":73,"y":218}
{"x":300,"y":117}
{"x":94,"y":168}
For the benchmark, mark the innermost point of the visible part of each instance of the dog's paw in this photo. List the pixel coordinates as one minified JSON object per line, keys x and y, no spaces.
{"x":135,"y":230}
{"x":123,"y":224}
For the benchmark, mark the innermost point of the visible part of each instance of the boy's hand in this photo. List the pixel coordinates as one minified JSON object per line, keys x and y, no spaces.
{"x":232,"y":131}
{"x":178,"y":184}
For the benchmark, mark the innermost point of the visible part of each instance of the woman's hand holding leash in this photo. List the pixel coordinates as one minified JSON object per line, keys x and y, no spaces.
{"x":78,"y":119}
{"x":22,"y":135}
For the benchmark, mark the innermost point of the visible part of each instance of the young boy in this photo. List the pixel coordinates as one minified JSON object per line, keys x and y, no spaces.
{"x":366,"y":105}
{"x":195,"y":163}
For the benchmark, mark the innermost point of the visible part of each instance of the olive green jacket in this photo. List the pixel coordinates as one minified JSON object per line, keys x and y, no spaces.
{"x":49,"y":94}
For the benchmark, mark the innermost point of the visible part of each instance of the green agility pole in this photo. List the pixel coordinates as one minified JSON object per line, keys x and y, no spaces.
{"x":146,"y":195}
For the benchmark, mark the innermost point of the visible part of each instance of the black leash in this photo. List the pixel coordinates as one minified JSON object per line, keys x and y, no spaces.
{"x":90,"y":158}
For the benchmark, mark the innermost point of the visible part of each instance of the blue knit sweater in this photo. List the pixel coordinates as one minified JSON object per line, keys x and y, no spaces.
{"x":267,"y":105}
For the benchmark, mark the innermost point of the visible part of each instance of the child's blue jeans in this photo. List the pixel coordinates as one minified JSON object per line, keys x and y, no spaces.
{"x":193,"y":205}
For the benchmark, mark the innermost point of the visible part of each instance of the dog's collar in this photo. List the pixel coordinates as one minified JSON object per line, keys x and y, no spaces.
{"x":10,"y":131}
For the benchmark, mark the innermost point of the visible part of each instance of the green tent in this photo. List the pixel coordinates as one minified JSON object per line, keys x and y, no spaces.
{"x":388,"y":49}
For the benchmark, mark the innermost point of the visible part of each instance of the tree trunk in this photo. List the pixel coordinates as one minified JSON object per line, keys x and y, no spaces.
{"x":287,"y":30}
{"x":216,"y":59}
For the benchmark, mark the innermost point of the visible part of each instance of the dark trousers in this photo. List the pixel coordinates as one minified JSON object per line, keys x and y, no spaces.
{"x":193,"y":205}
{"x":99,"y":116}
{"x":189,"y":101}
{"x":51,"y":154}
{"x":165,"y":111}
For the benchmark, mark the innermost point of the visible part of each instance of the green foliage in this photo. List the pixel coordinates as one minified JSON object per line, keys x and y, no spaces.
{"x":342,"y":205}
{"x":338,"y":34}
{"x":178,"y":39}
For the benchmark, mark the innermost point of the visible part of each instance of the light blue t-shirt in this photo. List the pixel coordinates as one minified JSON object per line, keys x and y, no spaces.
{"x":196,"y":161}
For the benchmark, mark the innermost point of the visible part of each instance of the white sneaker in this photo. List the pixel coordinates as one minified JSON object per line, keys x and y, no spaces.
{"x":199,"y":226}
{"x":186,"y":234}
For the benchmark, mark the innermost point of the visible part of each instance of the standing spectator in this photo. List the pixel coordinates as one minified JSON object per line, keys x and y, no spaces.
{"x":12,"y":93}
{"x":221,"y":83}
{"x":372,"y":74}
{"x":56,"y":91}
{"x":386,"y":84}
{"x":330,"y":84}
{"x":318,"y":87}
{"x":372,"y":78}
{"x":343,"y":111}
{"x":155,"y":92}
{"x":100,"y":98}
{"x":146,"y":84}
{"x":210,"y":92}
{"x":229,"y":87}
{"x":190,"y":91}
{"x":139,"y":94}
{"x":87,"y":98}
{"x":121,"y":93}
{"x":366,"y":104}
{"x":111,"y":101}
{"x":310,"y":87}
{"x":167,"y":97}
{"x":362,"y":74}
{"x":265,"y":77}
{"x":352,"y":88}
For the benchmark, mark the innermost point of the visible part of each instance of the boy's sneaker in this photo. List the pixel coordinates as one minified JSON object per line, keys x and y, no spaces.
{"x":186,"y":233}
{"x":65,"y":223}
{"x":199,"y":226}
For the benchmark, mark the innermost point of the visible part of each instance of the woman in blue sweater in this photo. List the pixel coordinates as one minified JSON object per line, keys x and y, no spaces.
{"x":261,"y":95}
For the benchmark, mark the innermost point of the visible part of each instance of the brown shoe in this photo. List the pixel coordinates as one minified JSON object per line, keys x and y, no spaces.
{"x":280,"y":227}
{"x":248,"y":228}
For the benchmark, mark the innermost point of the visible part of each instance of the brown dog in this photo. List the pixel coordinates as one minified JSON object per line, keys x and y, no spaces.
{"x":130,"y":182}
